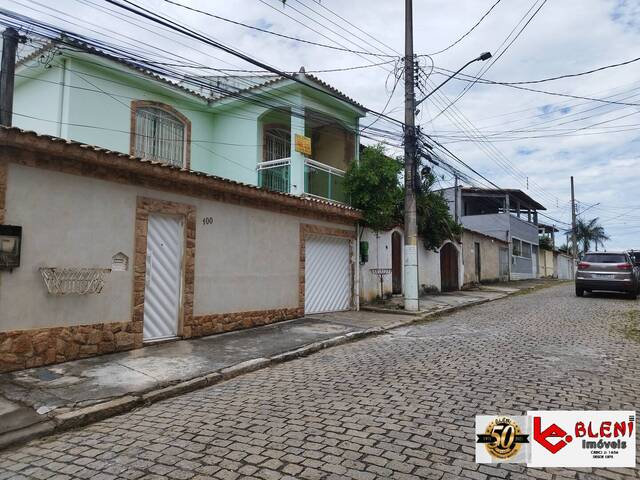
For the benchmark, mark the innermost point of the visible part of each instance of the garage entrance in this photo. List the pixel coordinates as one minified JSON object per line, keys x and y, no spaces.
{"x":327,"y":274}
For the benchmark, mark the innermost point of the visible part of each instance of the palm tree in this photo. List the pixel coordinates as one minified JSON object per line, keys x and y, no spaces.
{"x":588,"y":233}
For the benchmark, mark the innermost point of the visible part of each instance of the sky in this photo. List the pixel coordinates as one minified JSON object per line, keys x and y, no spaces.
{"x":515,"y":138}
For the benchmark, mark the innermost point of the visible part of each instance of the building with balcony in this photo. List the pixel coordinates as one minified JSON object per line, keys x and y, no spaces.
{"x":509,"y":215}
{"x":290,"y":136}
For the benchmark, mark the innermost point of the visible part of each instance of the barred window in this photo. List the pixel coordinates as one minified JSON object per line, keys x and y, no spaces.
{"x":160,"y":136}
{"x":277,"y":143}
{"x":517,"y":247}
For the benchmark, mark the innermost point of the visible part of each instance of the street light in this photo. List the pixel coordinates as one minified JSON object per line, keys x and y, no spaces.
{"x":483,"y":57}
{"x":411,"y":295}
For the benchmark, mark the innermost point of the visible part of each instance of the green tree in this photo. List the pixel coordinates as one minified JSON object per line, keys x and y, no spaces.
{"x":589,"y":232}
{"x":435,"y":223}
{"x":374,"y":187}
{"x":545,"y":242}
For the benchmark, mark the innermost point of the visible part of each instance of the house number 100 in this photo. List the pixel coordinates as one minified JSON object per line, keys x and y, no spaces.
{"x":207,"y":221}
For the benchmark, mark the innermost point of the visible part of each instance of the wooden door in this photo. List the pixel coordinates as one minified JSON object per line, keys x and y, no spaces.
{"x":478,"y":262}
{"x":448,"y":268}
{"x":396,"y":263}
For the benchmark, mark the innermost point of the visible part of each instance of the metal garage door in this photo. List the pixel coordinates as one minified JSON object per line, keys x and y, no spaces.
{"x":327,"y":275}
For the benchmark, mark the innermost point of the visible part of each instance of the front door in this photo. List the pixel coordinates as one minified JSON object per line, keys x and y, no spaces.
{"x":504,"y":263}
{"x":448,"y":268}
{"x":476,"y":246}
{"x":396,"y":263}
{"x":163,"y":278}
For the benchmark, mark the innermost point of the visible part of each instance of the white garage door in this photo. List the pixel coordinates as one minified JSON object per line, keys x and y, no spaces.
{"x":327,"y":275}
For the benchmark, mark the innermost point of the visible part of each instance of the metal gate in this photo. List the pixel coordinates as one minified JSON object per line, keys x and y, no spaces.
{"x":163,"y":278}
{"x":327,"y":275}
{"x":504,"y":264}
{"x":396,"y":263}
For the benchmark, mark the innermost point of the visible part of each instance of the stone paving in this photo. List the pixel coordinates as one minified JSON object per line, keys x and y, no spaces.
{"x":401,"y":405}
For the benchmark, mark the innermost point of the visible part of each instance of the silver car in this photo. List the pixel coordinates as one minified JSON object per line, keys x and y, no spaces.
{"x":609,"y":271}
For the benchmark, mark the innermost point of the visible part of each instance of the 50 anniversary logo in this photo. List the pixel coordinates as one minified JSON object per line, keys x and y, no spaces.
{"x":558,"y":439}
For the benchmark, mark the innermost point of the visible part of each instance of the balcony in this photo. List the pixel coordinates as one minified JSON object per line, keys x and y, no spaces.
{"x":275,"y":175}
{"x":324,"y":181}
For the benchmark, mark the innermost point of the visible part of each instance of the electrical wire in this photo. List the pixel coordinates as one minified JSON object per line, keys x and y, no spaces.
{"x":288,"y":37}
{"x":468,"y":32}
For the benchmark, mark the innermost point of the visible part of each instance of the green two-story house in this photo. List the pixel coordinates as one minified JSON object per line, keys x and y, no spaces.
{"x":295,"y":137}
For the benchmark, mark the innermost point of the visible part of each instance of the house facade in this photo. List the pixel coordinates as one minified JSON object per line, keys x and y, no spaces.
{"x":506,"y":214}
{"x":270,"y":131}
{"x":115,"y":252}
{"x":135,"y":210}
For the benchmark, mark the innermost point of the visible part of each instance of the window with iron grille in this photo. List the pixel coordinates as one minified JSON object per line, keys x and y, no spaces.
{"x":277,"y":143}
{"x":160,"y":136}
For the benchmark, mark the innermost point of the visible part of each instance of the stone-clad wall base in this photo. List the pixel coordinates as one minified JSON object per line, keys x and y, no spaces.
{"x":225,"y":322}
{"x":21,"y":349}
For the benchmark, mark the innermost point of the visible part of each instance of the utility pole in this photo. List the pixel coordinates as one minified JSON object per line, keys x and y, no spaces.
{"x":455,"y":198}
{"x":10,"y":39}
{"x":573,"y":224}
{"x":410,"y":221}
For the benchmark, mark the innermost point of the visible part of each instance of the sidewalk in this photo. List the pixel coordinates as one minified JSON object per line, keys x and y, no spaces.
{"x":48,"y":399}
{"x":434,"y":303}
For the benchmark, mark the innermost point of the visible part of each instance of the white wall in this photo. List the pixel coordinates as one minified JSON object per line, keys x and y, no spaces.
{"x":248,"y":259}
{"x":380,"y":256}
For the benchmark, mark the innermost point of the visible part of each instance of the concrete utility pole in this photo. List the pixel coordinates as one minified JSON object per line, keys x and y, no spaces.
{"x":410,"y":222}
{"x":10,"y":39}
{"x":573,"y":224}
{"x":455,"y":198}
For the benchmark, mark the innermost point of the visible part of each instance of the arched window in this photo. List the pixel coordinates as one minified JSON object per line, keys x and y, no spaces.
{"x":160,"y":133}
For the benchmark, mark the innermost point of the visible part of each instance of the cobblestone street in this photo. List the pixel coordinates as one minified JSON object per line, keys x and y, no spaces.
{"x":400,"y":405}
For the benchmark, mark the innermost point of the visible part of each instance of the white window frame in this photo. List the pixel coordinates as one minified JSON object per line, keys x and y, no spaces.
{"x":154,"y":126}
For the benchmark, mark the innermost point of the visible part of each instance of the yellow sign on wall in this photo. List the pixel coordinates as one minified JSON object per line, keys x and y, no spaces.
{"x":303,"y":144}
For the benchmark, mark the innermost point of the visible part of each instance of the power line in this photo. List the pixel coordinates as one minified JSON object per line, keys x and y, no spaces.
{"x":318,"y":2}
{"x":496,"y":58}
{"x":466,"y":78}
{"x":468,"y":32}
{"x":572,"y":75}
{"x":160,"y":20}
{"x":288,"y":37}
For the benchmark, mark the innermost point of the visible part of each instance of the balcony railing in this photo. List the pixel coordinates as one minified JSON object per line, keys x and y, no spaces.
{"x":275,"y":175}
{"x":324,"y":181}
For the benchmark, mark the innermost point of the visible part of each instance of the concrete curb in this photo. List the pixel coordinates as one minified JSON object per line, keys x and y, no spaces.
{"x":52,"y":423}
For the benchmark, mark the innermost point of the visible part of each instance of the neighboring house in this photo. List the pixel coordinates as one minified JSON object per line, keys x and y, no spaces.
{"x":564,"y":267}
{"x":546,"y":262}
{"x":507,"y":214}
{"x":485,"y":258}
{"x":267,"y":130}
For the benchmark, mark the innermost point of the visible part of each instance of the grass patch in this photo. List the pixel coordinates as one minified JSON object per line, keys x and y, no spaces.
{"x":629,"y":326}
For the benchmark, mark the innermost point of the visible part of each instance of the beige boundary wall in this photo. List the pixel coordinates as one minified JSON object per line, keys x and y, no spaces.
{"x":78,"y":206}
{"x":489,"y":257}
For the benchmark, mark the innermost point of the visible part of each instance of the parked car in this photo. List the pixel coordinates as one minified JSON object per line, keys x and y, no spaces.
{"x":608,"y":271}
